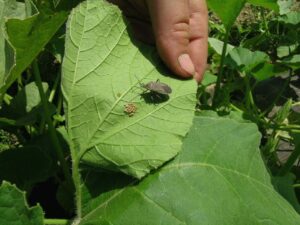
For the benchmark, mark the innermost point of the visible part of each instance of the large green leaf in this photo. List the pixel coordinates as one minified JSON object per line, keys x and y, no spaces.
{"x":255,"y":63}
{"x":285,"y":6}
{"x":14,"y":209}
{"x":28,"y":37}
{"x":227,"y":10}
{"x":218,"y":178}
{"x":291,"y":18}
{"x":25,"y":108}
{"x":217,"y":46}
{"x":25,"y":166}
{"x":286,"y":50}
{"x":8,"y":9}
{"x":102,"y":69}
{"x":246,"y":59}
{"x":284,"y":185}
{"x":293,"y":61}
{"x":11,"y":9}
{"x":269,"y":4}
{"x":25,"y":101}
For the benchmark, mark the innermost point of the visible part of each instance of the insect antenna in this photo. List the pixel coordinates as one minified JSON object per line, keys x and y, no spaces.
{"x":141,"y":84}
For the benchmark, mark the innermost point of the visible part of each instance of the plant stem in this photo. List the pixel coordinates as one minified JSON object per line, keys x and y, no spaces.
{"x":52,"y":132}
{"x":290,"y":126}
{"x":7,"y":98}
{"x":221,"y":71}
{"x":289,"y":129}
{"x":42,"y":125}
{"x":59,"y":107}
{"x":286,"y":82}
{"x":55,"y":85}
{"x":76,"y":179}
{"x":249,"y":96}
{"x":290,"y":162}
{"x":235,"y":108}
{"x":56,"y":222}
{"x":296,"y":104}
{"x":265,"y":21}
{"x":20,"y":84}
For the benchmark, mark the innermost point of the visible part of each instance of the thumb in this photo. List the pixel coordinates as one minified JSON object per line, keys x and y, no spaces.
{"x":170,"y":21}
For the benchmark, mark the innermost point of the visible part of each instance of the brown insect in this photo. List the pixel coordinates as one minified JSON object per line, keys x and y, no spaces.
{"x":130,"y":109}
{"x":157,"y":87}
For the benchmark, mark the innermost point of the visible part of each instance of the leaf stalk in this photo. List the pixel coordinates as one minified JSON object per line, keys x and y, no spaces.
{"x":221,"y":71}
{"x":56,"y":222}
{"x":76,"y":179}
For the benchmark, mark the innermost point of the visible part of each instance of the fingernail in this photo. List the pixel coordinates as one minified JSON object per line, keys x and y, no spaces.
{"x":186,"y":63}
{"x":197,"y":77}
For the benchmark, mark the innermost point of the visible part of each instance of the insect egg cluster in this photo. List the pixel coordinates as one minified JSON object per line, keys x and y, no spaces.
{"x":130,"y":109}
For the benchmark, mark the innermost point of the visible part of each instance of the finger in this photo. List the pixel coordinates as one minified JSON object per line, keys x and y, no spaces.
{"x":198,"y":36}
{"x":170,"y":21}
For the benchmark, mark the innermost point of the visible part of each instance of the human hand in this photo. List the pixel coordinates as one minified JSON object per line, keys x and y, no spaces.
{"x":179,"y":28}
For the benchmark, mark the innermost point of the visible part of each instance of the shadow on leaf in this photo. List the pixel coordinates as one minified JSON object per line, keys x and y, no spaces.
{"x":154,"y":98}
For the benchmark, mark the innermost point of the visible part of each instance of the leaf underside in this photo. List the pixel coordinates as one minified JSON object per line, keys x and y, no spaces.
{"x":102,"y":71}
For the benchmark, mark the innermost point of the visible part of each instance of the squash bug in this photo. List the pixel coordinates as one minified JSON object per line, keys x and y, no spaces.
{"x":157,"y":87}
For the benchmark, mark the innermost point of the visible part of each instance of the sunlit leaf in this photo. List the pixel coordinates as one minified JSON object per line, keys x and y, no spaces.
{"x":218,"y":178}
{"x":102,"y":71}
{"x":269,"y":4}
{"x":283,"y":51}
{"x":8,"y":9}
{"x":227,"y":10}
{"x":217,"y":45}
{"x":25,"y":108}
{"x":285,"y":6}
{"x":291,"y":18}
{"x":293,"y":61}
{"x":246,"y":60}
{"x":28,"y":37}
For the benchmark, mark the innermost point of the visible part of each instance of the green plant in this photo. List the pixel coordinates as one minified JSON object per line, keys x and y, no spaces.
{"x":172,"y":160}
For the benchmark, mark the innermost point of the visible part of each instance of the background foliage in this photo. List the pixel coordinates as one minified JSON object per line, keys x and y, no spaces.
{"x":67,"y":73}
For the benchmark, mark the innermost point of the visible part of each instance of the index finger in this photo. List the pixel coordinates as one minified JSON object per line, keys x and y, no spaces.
{"x":198,"y":24}
{"x":170,"y":21}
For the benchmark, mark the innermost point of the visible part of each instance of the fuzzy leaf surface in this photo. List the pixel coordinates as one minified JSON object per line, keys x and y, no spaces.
{"x":14,"y":209}
{"x":102,"y":71}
